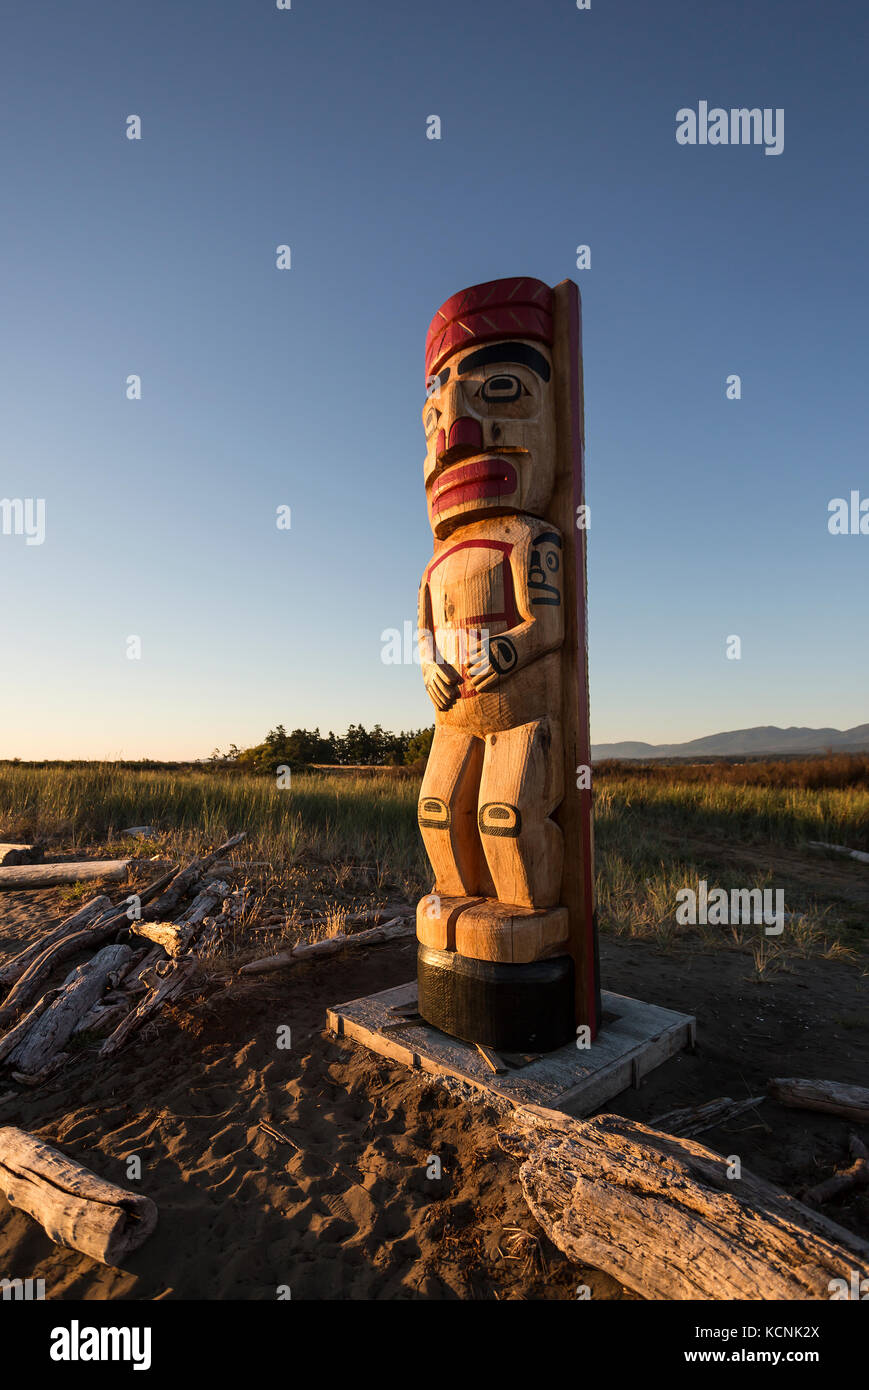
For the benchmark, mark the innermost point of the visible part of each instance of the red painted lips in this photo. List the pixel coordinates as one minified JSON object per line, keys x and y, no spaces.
{"x":489,"y":477}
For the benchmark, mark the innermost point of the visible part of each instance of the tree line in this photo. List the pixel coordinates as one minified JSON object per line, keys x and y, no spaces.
{"x":300,"y":748}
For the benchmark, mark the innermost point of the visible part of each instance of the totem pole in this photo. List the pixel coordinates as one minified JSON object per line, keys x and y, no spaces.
{"x":507,"y":952}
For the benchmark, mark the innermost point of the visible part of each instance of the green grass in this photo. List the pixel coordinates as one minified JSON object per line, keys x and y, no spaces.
{"x":358,"y":820}
{"x":785,"y":815}
{"x":653,"y":836}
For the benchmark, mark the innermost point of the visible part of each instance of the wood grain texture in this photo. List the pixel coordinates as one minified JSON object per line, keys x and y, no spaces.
{"x":436,"y":920}
{"x":20,"y":854}
{"x":574,"y":815}
{"x":503,"y":633}
{"x":831,"y":1097}
{"x":83,"y":917}
{"x":638,"y":1038}
{"x":661,"y":1215}
{"x":53,"y":875}
{"x":496,"y":931}
{"x":76,"y":1208}
{"x":55,"y":1026}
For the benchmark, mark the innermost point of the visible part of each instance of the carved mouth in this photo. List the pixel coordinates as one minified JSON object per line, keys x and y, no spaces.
{"x":470,"y":482}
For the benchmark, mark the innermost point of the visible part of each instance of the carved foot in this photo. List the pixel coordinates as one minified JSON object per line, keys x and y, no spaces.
{"x":436,"y":919}
{"x":496,"y":931}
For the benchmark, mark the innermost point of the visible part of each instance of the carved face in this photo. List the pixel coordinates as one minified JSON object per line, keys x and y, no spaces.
{"x":490,"y":434}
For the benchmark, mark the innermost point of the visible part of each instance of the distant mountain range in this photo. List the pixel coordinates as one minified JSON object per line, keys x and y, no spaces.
{"x":764,"y":741}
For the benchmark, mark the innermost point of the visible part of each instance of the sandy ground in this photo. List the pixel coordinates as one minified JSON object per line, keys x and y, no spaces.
{"x":351,"y":1212}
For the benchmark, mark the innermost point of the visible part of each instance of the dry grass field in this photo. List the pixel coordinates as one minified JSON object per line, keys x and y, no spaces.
{"x":343,"y":839}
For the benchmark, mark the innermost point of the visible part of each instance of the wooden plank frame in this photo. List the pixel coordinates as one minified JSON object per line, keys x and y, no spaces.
{"x":637,"y":1038}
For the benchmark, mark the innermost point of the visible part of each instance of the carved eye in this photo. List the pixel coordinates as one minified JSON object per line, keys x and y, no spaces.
{"x":501,"y":388}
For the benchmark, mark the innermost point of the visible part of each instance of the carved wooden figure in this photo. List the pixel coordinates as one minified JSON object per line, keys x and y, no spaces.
{"x":507,"y":941}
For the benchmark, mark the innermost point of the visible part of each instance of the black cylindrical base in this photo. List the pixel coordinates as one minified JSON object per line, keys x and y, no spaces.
{"x":515,"y":1008}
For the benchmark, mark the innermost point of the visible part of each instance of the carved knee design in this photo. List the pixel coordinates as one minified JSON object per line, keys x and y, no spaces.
{"x":500,"y":818}
{"x":433,"y":813}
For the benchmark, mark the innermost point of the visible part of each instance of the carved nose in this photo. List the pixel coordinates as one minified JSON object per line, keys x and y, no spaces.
{"x":466,"y":433}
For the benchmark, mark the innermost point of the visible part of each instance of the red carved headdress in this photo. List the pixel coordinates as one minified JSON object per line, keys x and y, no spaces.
{"x":514,"y":308}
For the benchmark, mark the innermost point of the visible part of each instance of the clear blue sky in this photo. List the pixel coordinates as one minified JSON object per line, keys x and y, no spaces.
{"x":304,"y":387}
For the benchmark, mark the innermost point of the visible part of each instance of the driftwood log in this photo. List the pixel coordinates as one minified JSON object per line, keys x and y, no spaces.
{"x":76,"y":1208}
{"x":694,"y":1119}
{"x":660,"y":1214}
{"x":10,"y":1040}
{"x":857,"y":854}
{"x":172,"y":936}
{"x":56,"y":1025}
{"x":84,"y":917}
{"x":20,"y":854}
{"x":175,"y":937}
{"x":135,"y":982}
{"x":214,"y":928}
{"x":52,"y":875}
{"x":177,"y":977}
{"x":36,"y":1078}
{"x":37,"y":973}
{"x":857,"y":1175}
{"x":184,"y":879}
{"x":103,"y":1018}
{"x":330,"y":946}
{"x":831,"y":1097}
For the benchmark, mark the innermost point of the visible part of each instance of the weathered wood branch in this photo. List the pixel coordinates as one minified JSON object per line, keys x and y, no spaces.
{"x":857,"y":854}
{"x":172,"y":936}
{"x":15,"y":1035}
{"x":831,"y":1097}
{"x":52,"y":875}
{"x":661,"y":1214}
{"x":103,"y":1018}
{"x":206,"y":899}
{"x":843,"y":1181}
{"x":135,"y":960}
{"x":135,"y":982}
{"x":20,"y":854}
{"x":694,"y":1119}
{"x":36,"y":1078}
{"x":184,"y":879}
{"x":176,"y":979}
{"x":83,"y":917}
{"x":329,"y":946}
{"x":176,"y":937}
{"x":37,"y":973}
{"x":76,"y":1208}
{"x":53,"y":1029}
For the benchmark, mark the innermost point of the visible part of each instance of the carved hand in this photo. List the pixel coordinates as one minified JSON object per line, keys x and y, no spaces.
{"x":442,"y":683}
{"x":489,"y":661}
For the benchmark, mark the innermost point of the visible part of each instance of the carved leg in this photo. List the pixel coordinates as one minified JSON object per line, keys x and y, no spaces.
{"x":447,"y":814}
{"x":521,"y":785}
{"x":496,"y":971}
